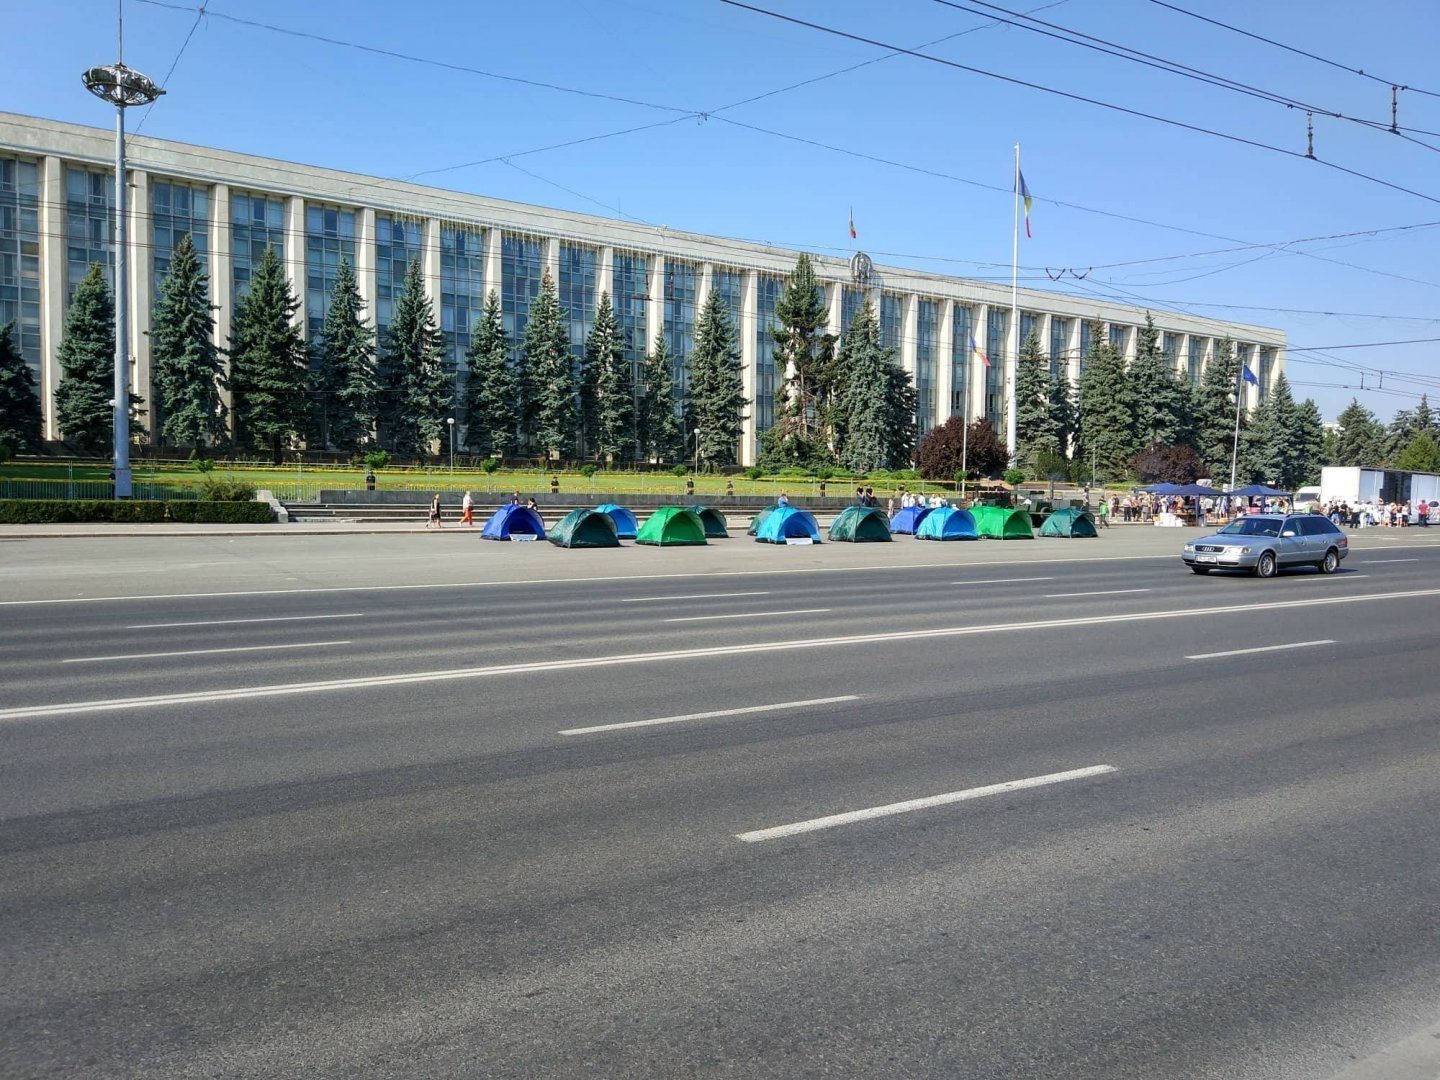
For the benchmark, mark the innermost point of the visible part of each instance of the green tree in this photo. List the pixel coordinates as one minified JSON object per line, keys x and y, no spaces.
{"x":901,"y":403}
{"x":1037,"y":423}
{"x":1422,"y":455}
{"x":1162,"y":403}
{"x":186,"y":363}
{"x":550,"y":372}
{"x":806,"y":355}
{"x":419,"y":390}
{"x":349,"y":385}
{"x":269,"y":365}
{"x":611,"y":397}
{"x":87,"y":365}
{"x":1215,"y":401}
{"x":1361,"y":438}
{"x":1107,"y":434}
{"x":1407,"y":424}
{"x":19,"y":403}
{"x":1265,"y":449}
{"x":657,"y":420}
{"x":492,"y":413}
{"x":717,"y":393}
{"x":864,"y":407}
{"x":1308,"y":442}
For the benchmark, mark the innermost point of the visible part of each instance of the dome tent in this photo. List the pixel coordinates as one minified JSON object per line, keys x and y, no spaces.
{"x":583,"y":528}
{"x":785,"y":522}
{"x":907,"y":519}
{"x":759,"y":519}
{"x":671,"y":526}
{"x":622,"y":518}
{"x":860,"y":524}
{"x":1002,"y":523}
{"x":513,"y":520}
{"x":1069,"y":522}
{"x":947,"y":523}
{"x":714,"y":522}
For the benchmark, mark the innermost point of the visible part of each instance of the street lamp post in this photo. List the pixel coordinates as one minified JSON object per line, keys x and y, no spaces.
{"x":122,"y":87}
{"x":697,"y":449}
{"x":450,"y":420}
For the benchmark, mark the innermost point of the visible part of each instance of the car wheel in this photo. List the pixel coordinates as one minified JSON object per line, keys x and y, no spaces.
{"x":1331,"y":562}
{"x":1199,"y":569}
{"x":1266,"y":567}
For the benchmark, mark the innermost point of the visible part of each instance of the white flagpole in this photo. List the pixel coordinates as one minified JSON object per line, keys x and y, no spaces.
{"x":965,"y":430}
{"x":1012,"y":353}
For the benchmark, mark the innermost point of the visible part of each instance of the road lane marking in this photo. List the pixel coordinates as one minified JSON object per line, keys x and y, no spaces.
{"x":1098,"y":592}
{"x":908,"y":805}
{"x":711,"y":715}
{"x":237,"y":622}
{"x":1371,"y":562}
{"x":1260,"y":649}
{"x":1002,"y":581}
{"x":696,"y":596}
{"x":201,"y":652}
{"x":747,"y":615}
{"x":74,"y":708}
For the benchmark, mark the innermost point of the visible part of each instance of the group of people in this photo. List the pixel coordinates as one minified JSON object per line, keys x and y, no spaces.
{"x":865,"y":496}
{"x":467,"y":509}
{"x":1391,"y":515}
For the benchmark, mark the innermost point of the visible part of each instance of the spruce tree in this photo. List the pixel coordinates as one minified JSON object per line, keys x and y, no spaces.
{"x":902,"y":431}
{"x":1422,"y":455}
{"x":657,"y":421}
{"x":717,"y":393}
{"x":1266,"y":455}
{"x":1107,"y":434}
{"x":805,"y":354}
{"x":19,"y":403}
{"x":1215,"y":403}
{"x":1162,"y":405}
{"x":1037,"y":429}
{"x":269,"y":365}
{"x":420,"y":391}
{"x":87,"y":366}
{"x":608,"y":397}
{"x":348,"y":383}
{"x":549,"y":372}
{"x":185,"y":360}
{"x":491,"y":412}
{"x":1308,"y":442}
{"x":863,"y":396}
{"x":1361,"y":439}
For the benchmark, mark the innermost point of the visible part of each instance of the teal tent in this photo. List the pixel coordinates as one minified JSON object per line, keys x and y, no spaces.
{"x":584,"y":529}
{"x":1069,"y":522}
{"x":785,"y":522}
{"x":860,"y":524}
{"x":622,"y":518}
{"x":714,"y":522}
{"x":947,"y":523}
{"x":759,"y":519}
{"x":671,"y":526}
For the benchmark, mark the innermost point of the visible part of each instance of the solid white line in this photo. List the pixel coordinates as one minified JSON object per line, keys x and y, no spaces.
{"x":1002,"y":581}
{"x":1260,"y":649}
{"x":201,"y":652}
{"x":921,"y":804}
{"x":710,"y":715}
{"x":696,"y":596}
{"x":705,"y":652}
{"x":237,"y":622}
{"x":1101,"y":592}
{"x":747,"y":615}
{"x":1369,"y":562}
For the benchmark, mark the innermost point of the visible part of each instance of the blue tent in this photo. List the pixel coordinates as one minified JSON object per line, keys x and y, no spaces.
{"x":908,"y":518}
{"x":623,"y":520}
{"x":786,"y":521}
{"x":947,"y":523}
{"x":512,"y":519}
{"x":1258,"y":491}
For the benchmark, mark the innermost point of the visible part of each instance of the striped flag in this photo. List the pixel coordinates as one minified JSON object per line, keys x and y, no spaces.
{"x":975,"y":351}
{"x":853,"y":234}
{"x":1025,"y":197}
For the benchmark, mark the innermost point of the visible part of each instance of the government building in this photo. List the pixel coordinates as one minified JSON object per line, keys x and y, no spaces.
{"x":57,"y":217}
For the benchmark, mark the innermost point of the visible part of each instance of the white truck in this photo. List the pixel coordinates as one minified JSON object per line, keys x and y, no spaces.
{"x":1353,"y":485}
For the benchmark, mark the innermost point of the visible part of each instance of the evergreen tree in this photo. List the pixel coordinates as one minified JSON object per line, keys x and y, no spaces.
{"x":902,"y":432}
{"x":1063,"y":419}
{"x":1162,"y":403}
{"x":1422,"y":455}
{"x":1215,"y":402}
{"x":1107,"y":434}
{"x":1309,"y":442}
{"x":491,"y":413}
{"x":269,"y":365}
{"x":1361,"y":439}
{"x":717,"y":394}
{"x":806,"y":355}
{"x":1407,"y":424}
{"x":186,"y":363}
{"x":420,"y":391}
{"x":608,"y":396}
{"x":550,"y":373}
{"x":349,"y":385}
{"x":19,"y":403}
{"x":87,"y":366}
{"x":864,"y":406}
{"x":1268,"y":454}
{"x":657,"y":422}
{"x":1036,"y":429}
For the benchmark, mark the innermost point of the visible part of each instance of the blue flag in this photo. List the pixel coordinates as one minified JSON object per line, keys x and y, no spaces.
{"x":1249,"y":375}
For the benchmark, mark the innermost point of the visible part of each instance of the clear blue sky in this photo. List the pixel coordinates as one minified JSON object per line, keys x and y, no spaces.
{"x":258,"y":91}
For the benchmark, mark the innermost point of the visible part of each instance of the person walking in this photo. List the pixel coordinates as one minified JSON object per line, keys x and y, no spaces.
{"x":434,"y":518}
{"x":467,"y":510}
{"x":1102,"y":514}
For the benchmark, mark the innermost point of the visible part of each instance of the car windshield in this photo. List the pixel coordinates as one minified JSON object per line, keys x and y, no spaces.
{"x":1252,"y":527}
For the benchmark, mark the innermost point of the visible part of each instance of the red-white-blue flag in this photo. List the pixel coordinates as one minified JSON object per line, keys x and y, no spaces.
{"x":1024,"y":192}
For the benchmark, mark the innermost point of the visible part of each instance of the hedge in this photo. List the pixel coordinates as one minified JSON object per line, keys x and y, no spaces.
{"x":48,"y":511}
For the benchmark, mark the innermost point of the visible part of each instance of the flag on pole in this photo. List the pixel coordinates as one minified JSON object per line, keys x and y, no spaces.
{"x":1249,"y":375}
{"x":1025,"y":197}
{"x":853,"y":234}
{"x":975,"y":351}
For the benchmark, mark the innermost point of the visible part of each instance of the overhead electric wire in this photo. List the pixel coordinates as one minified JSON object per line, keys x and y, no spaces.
{"x":165,"y":82}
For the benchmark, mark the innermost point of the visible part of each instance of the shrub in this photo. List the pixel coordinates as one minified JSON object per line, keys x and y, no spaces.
{"x":941,"y":451}
{"x":824,"y":472}
{"x":1161,"y":464}
{"x":904,"y":474}
{"x":221,"y":513}
{"x":879,"y":474}
{"x":47,"y":511}
{"x":489,"y":465}
{"x":377,"y":459}
{"x":679,"y":470}
{"x":219,"y":489}
{"x":754,"y":472}
{"x":587,"y":470}
{"x":201,"y":464}
{"x":1014,"y":476}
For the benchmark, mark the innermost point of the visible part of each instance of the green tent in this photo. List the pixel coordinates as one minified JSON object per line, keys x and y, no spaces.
{"x":758,"y":519}
{"x":860,"y":524}
{"x":1069,"y":522}
{"x":1002,"y":523}
{"x":714,"y":522}
{"x":671,"y":526}
{"x":584,"y":528}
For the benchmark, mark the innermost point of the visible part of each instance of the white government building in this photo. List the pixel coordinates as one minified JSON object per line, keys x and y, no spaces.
{"x":56,"y":218}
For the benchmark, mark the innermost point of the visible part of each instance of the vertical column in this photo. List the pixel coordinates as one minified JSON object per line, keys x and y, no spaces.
{"x":1072,"y":352}
{"x":944,"y":362}
{"x":295,"y":253}
{"x":52,"y":286}
{"x":703,"y":287}
{"x":655,"y":300}
{"x":365,"y":274}
{"x":140,"y":239}
{"x":834,"y":308}
{"x":605,"y":274}
{"x":222,"y":277}
{"x":749,"y":320}
{"x":910,"y":335}
{"x":550,"y":249}
{"x":430,"y":263}
{"x":495,"y":262}
{"x":980,"y":331}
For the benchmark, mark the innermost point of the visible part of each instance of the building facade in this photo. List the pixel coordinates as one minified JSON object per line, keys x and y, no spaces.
{"x":57,"y":211}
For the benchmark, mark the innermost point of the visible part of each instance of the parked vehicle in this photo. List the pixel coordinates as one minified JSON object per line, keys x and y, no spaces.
{"x":1264,"y":544}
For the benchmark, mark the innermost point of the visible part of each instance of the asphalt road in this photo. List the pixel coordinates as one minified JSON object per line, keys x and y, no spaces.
{"x":416,"y":807}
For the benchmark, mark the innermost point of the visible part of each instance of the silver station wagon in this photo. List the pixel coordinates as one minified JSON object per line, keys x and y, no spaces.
{"x":1265,"y":544}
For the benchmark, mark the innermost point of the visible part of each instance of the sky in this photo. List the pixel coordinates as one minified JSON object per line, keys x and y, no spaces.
{"x":702,"y":116}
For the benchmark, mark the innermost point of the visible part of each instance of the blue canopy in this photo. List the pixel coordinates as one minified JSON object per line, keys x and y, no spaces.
{"x":948,"y":523}
{"x":1181,"y":489}
{"x":786,"y":521}
{"x":513,"y":519}
{"x":1258,"y":490}
{"x":907,"y":519}
{"x":623,"y":520}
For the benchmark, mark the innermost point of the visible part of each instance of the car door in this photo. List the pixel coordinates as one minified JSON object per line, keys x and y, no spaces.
{"x":1292,"y":546}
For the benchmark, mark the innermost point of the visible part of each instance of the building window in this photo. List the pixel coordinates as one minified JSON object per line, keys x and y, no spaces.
{"x":632,"y":297}
{"x":730,"y":284}
{"x":1195,"y":357}
{"x":1117,"y":336}
{"x":767,"y":296}
{"x":962,"y":350}
{"x":177,"y":210}
{"x":256,"y":223}
{"x":1266,"y":363}
{"x":577,"y":292}
{"x":1171,"y":350}
{"x":522,"y":268}
{"x":329,"y":237}
{"x":1087,"y":341}
{"x":89,"y":225}
{"x":462,"y":289}
{"x":851,"y":301}
{"x":927,"y":325}
{"x":892,"y":321}
{"x":1029,"y":324}
{"x":398,"y":242}
{"x":20,"y":256}
{"x":680,"y":286}
{"x":1059,"y":344}
{"x":997,"y":330}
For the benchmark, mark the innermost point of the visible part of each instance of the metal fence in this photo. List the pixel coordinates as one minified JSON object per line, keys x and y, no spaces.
{"x":90,"y":489}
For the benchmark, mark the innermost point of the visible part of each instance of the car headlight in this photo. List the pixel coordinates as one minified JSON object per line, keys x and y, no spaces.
{"x":1246,"y":551}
